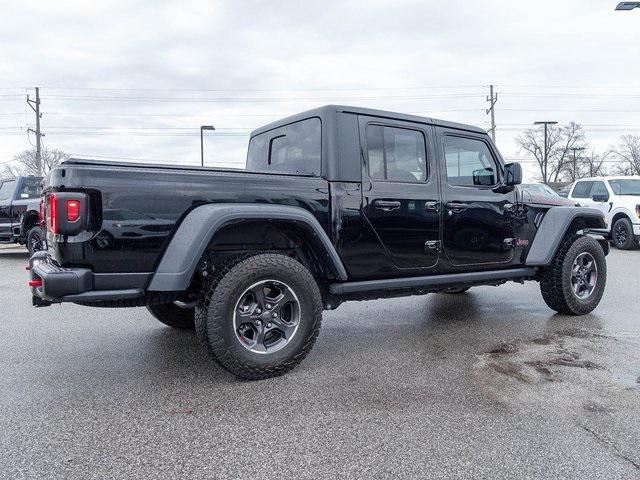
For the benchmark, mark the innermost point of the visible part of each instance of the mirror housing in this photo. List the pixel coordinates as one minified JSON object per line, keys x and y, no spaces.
{"x":512,"y":174}
{"x":600,"y":198}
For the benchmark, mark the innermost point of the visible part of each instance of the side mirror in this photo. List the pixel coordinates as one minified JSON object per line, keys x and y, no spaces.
{"x":512,"y":174}
{"x":600,"y":198}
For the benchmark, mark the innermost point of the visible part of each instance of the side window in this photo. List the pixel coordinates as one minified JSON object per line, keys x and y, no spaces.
{"x":600,"y":189}
{"x":581,"y":190}
{"x":30,"y":189}
{"x":396,"y":154}
{"x":469,"y":162}
{"x":294,"y":148}
{"x":6,"y":190}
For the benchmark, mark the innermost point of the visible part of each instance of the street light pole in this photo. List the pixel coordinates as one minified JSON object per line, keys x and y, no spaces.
{"x":546,"y":149}
{"x":202,"y":129}
{"x":575,"y":161}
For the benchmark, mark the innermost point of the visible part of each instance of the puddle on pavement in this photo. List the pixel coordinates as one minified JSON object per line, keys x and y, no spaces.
{"x":572,"y":367}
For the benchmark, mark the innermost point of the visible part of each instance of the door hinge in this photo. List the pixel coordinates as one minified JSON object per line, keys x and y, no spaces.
{"x":433,"y":245}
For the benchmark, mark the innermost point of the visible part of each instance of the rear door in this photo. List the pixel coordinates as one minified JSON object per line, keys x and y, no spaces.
{"x":400,"y":190}
{"x":581,"y":193}
{"x":477,"y":218}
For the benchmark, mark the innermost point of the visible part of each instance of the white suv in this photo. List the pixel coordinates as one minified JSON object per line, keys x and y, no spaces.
{"x":619,"y":199}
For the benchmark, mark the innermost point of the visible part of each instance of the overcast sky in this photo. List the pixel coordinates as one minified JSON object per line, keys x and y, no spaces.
{"x":136,"y":79}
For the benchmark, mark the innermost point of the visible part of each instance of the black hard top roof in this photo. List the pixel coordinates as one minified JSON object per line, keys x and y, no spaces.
{"x":333,"y":109}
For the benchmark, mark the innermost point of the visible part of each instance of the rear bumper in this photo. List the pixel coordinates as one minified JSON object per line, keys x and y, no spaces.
{"x":51,"y":283}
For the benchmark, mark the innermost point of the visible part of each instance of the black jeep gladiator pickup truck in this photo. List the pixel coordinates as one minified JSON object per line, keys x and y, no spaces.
{"x":19,"y":212}
{"x":335,"y":204}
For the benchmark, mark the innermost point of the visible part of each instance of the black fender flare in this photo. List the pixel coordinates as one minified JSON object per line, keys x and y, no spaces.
{"x":181,"y":257}
{"x":24,"y":218}
{"x":554,"y":227}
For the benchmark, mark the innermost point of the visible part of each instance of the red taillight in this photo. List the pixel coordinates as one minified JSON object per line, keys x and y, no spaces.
{"x":73,"y":210}
{"x":52,"y":214}
{"x":36,"y":282}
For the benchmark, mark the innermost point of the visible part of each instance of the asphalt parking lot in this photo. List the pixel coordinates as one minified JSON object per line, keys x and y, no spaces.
{"x":488,"y":384}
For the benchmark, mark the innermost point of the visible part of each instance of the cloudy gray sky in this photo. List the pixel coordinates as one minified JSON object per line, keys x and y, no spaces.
{"x":135,"y":80}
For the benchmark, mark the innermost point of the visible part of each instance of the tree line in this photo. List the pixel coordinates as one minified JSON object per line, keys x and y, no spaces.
{"x":569,"y":157}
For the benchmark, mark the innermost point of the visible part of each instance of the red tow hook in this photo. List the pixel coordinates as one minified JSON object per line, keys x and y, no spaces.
{"x":37,"y":282}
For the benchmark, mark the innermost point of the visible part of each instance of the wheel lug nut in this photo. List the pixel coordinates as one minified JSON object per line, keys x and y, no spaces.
{"x":274,"y":315}
{"x":268,"y":305}
{"x":258,"y":323}
{"x":258,"y":311}
{"x":269,"y":325}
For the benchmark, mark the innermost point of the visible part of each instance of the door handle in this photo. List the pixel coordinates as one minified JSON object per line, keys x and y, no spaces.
{"x":387,"y":205}
{"x":457,"y":206}
{"x":435,"y":206}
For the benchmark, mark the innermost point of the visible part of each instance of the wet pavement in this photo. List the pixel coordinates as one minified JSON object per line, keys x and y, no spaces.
{"x":487,"y":384}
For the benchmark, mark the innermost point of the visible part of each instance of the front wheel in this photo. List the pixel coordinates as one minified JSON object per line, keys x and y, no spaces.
{"x":574,"y":282}
{"x":260,"y":317}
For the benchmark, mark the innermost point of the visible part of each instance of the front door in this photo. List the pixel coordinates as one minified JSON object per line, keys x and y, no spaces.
{"x":400,"y":190}
{"x":477,"y":219}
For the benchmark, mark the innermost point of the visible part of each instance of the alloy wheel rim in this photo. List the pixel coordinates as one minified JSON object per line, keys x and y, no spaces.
{"x":266,"y":316}
{"x":584,"y":275}
{"x":621,"y":234}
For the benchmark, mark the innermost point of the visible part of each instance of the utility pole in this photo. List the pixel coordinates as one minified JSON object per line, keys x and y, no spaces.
{"x":546,"y":148}
{"x":575,"y":161}
{"x":35,"y":106}
{"x":492,"y":101}
{"x":202,"y":129}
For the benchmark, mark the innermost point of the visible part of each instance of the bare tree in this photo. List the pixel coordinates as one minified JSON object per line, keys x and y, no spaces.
{"x":560,"y":141}
{"x":628,"y":151}
{"x":24,"y":163}
{"x":587,"y":165}
{"x":593,"y":164}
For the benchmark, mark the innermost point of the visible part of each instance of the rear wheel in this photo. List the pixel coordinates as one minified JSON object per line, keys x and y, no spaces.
{"x":35,"y":240}
{"x":622,"y":234}
{"x":173,"y":315}
{"x":574,"y":282}
{"x":260,"y":317}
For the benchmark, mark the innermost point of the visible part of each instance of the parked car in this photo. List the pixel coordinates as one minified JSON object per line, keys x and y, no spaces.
{"x":19,"y":210}
{"x":534,"y":191}
{"x":564,"y":191}
{"x":619,"y":199}
{"x":337,"y":203}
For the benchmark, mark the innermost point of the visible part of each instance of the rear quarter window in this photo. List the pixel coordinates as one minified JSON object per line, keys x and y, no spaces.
{"x":294,"y":148}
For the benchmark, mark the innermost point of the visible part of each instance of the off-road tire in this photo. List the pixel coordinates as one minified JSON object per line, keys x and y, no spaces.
{"x":630,"y":241}
{"x":555,"y":280}
{"x":172,"y":315}
{"x":34,"y":236}
{"x":215,"y":313}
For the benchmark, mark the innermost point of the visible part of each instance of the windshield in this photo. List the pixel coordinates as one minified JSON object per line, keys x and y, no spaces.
{"x":625,"y":187}
{"x":6,"y":190}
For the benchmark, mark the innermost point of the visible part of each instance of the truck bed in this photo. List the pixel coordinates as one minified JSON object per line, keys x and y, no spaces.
{"x":136,"y":207}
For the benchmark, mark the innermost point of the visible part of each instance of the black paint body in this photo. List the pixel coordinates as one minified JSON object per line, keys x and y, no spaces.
{"x":18,"y":214}
{"x":135,"y":209}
